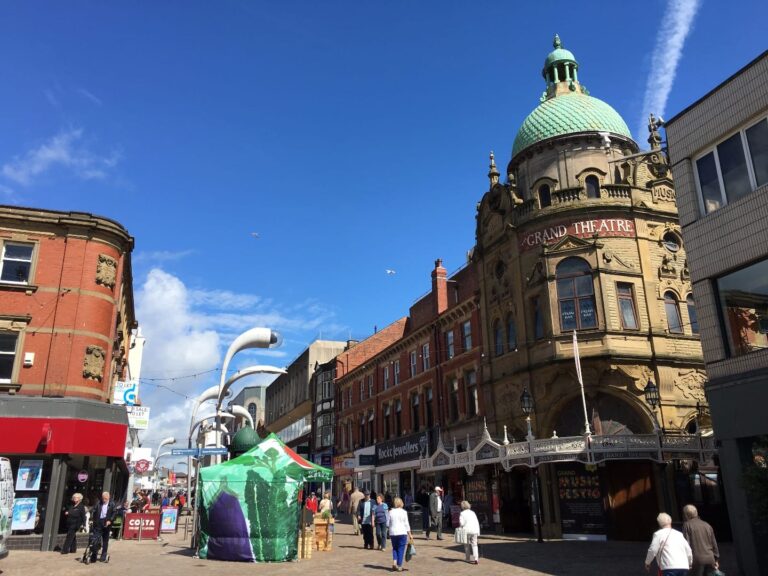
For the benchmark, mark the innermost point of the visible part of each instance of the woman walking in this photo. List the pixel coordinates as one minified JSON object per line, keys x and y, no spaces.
{"x":468,"y":520}
{"x":399,"y":533}
{"x":381,"y":520}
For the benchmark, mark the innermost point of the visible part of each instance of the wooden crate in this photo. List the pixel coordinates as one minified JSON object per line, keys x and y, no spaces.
{"x":306,"y":543}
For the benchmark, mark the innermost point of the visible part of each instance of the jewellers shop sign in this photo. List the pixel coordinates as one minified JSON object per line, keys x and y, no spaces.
{"x":402,"y":449}
{"x":601,"y":227}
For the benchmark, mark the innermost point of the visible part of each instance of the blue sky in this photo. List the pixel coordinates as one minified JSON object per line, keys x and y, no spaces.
{"x":353,"y":137}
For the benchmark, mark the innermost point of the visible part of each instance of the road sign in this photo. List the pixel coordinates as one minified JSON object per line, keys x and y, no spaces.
{"x":185,"y":452}
{"x":212,"y":451}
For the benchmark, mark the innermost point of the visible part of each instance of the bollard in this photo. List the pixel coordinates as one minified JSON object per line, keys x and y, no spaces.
{"x":141,"y":525}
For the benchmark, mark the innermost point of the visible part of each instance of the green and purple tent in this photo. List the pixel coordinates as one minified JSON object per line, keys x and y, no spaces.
{"x":249,"y":506}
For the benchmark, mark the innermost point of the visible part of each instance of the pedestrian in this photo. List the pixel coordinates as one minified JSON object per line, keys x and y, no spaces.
{"x":325,"y":504}
{"x":75,"y":520}
{"x":365,"y":519}
{"x":166,"y":500}
{"x":468,"y":520}
{"x":701,"y":538}
{"x":436,"y":512}
{"x":354,"y":501}
{"x":670,"y":549}
{"x":399,"y":533}
{"x":103,"y":516}
{"x":311,"y":503}
{"x":381,"y":521}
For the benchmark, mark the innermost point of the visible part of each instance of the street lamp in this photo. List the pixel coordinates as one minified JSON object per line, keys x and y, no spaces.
{"x":253,"y":338}
{"x":526,"y":404}
{"x":651,"y":392}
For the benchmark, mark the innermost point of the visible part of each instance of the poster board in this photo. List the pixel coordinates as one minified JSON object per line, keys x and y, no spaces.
{"x":582,"y":515}
{"x":28,"y":476}
{"x":169,"y":519}
{"x":24,"y":514}
{"x":147,"y":524}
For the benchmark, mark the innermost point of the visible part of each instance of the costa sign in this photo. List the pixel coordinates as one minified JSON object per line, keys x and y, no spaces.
{"x":601,"y":227}
{"x":147,"y":524}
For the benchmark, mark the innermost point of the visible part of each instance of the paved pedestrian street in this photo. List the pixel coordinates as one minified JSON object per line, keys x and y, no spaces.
{"x":500,"y":555}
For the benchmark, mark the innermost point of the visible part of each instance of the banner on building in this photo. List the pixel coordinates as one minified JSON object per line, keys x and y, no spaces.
{"x":126,"y":393}
{"x":581,"y":503}
{"x":138,"y":417}
{"x":28,"y":476}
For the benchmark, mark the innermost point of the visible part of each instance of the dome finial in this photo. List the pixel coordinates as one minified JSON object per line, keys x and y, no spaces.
{"x":556,"y":43}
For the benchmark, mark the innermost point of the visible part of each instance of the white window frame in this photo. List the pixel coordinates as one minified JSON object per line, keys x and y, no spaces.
{"x":396,"y":372}
{"x":425,"y":357}
{"x":413,"y":363}
{"x":713,"y":149}
{"x":386,"y":377}
{"x":370,"y":386}
{"x":30,"y":261}
{"x":362,"y":389}
{"x":12,"y":353}
{"x":450,"y":344}
{"x":466,"y":335}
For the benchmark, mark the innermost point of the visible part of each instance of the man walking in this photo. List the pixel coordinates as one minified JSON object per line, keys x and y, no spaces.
{"x":354,"y":501}
{"x":701,"y":538}
{"x":102,"y":525}
{"x":436,"y":512}
{"x":365,"y":518}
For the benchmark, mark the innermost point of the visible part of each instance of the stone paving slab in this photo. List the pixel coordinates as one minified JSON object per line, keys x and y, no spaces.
{"x":500,"y":555}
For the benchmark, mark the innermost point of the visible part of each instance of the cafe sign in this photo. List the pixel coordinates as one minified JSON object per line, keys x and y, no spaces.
{"x":600,"y":227}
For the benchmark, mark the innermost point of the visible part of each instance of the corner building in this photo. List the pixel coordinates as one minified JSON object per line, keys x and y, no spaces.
{"x":584,"y":237}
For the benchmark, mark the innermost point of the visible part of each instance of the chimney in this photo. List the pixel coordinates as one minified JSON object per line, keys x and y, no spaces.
{"x":440,"y":287}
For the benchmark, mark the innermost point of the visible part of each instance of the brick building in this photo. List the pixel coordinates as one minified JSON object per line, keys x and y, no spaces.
{"x":719,"y":153}
{"x":66,"y":316}
{"x":425,"y":382}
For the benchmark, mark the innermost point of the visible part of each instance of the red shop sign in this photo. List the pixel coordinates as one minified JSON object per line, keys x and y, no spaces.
{"x":148,"y":524}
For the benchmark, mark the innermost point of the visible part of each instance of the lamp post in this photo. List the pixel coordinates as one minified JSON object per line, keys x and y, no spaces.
{"x":253,"y":338}
{"x":526,"y":404}
{"x":651,"y":392}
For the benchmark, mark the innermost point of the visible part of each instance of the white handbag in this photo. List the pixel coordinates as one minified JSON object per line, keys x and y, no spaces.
{"x":460,"y":536}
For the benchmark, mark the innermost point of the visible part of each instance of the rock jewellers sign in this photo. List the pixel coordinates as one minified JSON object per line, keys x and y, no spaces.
{"x":402,"y":449}
{"x":608,"y":227}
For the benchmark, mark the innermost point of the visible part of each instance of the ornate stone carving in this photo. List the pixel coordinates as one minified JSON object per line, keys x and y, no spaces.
{"x":609,"y":257}
{"x":93,"y":363}
{"x":106,"y":271}
{"x":691,"y":384}
{"x":667,"y":268}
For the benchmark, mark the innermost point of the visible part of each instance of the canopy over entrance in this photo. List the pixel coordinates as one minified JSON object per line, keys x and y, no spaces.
{"x":249,"y":506}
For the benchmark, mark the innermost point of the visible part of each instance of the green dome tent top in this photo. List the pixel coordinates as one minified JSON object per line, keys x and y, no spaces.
{"x":244,"y":440}
{"x":566,"y":107}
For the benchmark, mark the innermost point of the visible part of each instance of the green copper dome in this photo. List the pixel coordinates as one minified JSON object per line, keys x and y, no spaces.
{"x":566,"y":107}
{"x":244,"y":440}
{"x":568,"y":114}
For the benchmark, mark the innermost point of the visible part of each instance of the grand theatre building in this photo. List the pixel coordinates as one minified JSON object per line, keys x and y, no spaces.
{"x":581,"y":238}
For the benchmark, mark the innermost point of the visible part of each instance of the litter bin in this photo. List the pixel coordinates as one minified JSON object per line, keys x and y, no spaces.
{"x":414,"y":517}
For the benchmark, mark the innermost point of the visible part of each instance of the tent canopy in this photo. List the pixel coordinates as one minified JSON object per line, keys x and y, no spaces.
{"x":249,"y":506}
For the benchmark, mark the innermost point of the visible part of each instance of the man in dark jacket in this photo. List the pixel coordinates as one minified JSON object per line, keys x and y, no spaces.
{"x":436,"y":512}
{"x":103,"y":516}
{"x":75,"y":520}
{"x":701,"y":539}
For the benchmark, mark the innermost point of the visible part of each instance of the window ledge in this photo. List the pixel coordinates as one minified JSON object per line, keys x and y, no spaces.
{"x":13,"y":287}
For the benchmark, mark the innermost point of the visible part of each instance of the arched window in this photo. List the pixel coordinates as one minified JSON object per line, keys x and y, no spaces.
{"x":694,"y":320}
{"x":593,"y":186}
{"x":674,"y":323}
{"x":498,"y":339}
{"x":252,"y":410}
{"x":545,"y":196}
{"x":576,"y":295}
{"x":511,"y":333}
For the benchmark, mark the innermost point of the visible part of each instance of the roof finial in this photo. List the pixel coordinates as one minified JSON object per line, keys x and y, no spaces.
{"x":493,"y":173}
{"x":556,"y":42}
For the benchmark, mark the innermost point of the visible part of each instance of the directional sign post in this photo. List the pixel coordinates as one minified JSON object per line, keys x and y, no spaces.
{"x":194,"y":452}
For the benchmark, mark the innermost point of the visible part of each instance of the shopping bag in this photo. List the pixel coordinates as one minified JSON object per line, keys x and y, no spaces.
{"x":460,"y":536}
{"x":410,"y":552}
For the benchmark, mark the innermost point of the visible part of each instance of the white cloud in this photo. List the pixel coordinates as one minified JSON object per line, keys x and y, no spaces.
{"x":676,"y":24}
{"x":161,"y":256}
{"x":67,"y":150}
{"x":90,"y":96}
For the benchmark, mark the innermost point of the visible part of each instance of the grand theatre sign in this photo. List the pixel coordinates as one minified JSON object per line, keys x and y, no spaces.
{"x":600,"y":227}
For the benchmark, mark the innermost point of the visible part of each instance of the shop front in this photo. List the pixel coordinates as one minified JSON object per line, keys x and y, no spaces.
{"x":397,"y":462}
{"x":364,"y":472}
{"x":58,"y":447}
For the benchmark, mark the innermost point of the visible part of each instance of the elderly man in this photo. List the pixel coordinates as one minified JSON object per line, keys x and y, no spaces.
{"x":669,"y":548}
{"x":701,"y":538}
{"x":436,"y":512}
{"x":103,"y":516}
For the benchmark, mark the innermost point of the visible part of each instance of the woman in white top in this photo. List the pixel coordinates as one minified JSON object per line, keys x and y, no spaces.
{"x":399,"y":533}
{"x":670,"y":549}
{"x":325,"y":504}
{"x":468,"y":520}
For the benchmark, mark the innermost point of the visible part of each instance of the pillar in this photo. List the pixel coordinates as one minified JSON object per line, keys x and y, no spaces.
{"x":54,"y":503}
